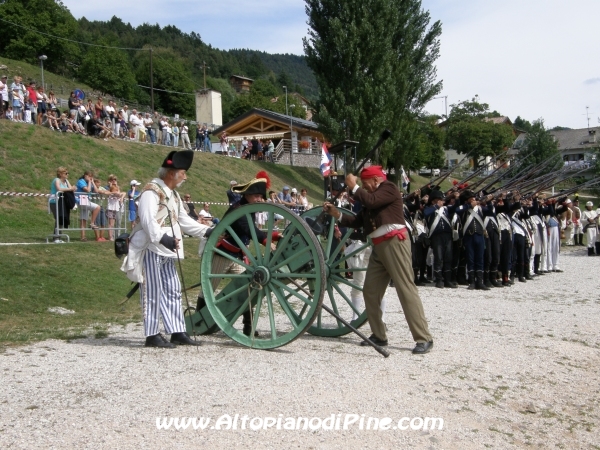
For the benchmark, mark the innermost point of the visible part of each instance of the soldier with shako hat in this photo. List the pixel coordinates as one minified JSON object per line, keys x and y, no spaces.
{"x":155,"y":243}
{"x":254,"y":191}
{"x":438,"y":218}
{"x":473,"y":232}
{"x":382,"y":219}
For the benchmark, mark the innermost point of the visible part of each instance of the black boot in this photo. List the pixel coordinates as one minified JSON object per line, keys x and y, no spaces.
{"x":479,"y":283}
{"x":439,"y":282}
{"x":505,"y":281}
{"x":511,"y":278}
{"x":448,"y":280}
{"x":471,"y":280}
{"x":591,"y":251}
{"x":453,"y":276}
{"x":486,"y":279}
{"x":494,"y":279}
{"x":418,"y":281}
{"x":581,"y":240}
{"x":461,"y":276}
{"x":430,"y":273}
{"x":597,"y":245}
{"x":248,"y":325}
{"x":520,"y":274}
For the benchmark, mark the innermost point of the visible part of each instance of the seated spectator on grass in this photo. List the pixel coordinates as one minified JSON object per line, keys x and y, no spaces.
{"x":58,"y":204}
{"x":9,"y":113}
{"x":75,"y":126}
{"x":63,"y":123}
{"x":206,"y":216}
{"x":285,"y":198}
{"x":106,"y":130}
{"x":93,"y":127}
{"x":89,"y":108}
{"x":49,"y":120}
{"x":85,"y":187}
{"x":191,"y":209}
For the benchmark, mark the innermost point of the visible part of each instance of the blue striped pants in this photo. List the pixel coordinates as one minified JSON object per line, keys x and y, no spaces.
{"x":161,"y":294}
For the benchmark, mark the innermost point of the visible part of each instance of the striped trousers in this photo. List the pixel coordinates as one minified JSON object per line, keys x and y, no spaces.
{"x":160,"y":294}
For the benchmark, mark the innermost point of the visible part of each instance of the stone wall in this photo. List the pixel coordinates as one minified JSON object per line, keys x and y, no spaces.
{"x":302,"y":159}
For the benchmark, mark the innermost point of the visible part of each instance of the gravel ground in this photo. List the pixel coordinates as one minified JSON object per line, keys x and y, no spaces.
{"x":513,"y":367}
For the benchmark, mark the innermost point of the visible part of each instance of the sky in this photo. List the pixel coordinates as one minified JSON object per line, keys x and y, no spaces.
{"x":537,"y":59}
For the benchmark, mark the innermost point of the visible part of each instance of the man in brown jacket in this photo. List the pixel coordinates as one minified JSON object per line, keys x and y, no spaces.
{"x":382,"y":218}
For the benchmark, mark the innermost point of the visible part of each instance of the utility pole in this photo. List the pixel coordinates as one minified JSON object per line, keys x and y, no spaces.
{"x":204,"y":66}
{"x":291,"y":137}
{"x":445,"y":97}
{"x":151,"y":83}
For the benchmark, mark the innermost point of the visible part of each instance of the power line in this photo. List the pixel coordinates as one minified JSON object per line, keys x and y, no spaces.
{"x":70,"y":40}
{"x":164,"y":90}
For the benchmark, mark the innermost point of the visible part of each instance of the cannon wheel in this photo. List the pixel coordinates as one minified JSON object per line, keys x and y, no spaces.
{"x":337,"y":298}
{"x":279,"y":312}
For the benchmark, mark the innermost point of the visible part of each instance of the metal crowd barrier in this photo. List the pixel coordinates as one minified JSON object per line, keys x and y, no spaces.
{"x":81,"y":213}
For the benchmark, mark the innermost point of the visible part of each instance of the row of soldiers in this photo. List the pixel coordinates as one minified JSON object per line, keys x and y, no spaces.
{"x":486,"y":241}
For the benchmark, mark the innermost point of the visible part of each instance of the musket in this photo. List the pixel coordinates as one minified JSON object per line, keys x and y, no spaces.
{"x":576,"y":188}
{"x":488,"y":177}
{"x":524,"y":174}
{"x":447,"y":174}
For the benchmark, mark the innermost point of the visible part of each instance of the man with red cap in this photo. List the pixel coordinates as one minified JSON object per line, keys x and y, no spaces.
{"x":382,"y":219}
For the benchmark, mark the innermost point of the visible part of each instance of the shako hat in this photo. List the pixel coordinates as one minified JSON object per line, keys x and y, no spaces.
{"x":435,"y":195}
{"x":466,"y":195}
{"x":258,"y":185}
{"x":179,"y":160}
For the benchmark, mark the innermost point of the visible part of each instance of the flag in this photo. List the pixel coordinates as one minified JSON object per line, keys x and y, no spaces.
{"x":405,"y":179}
{"x":325,"y":161}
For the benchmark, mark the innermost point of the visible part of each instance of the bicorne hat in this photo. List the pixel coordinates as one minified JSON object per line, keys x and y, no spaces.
{"x":179,"y":160}
{"x":466,"y":195}
{"x":258,"y":185}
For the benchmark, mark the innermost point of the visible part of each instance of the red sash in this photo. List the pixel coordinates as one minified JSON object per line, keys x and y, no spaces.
{"x":402,"y":235}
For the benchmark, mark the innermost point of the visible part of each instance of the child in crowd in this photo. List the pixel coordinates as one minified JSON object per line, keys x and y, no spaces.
{"x":9,"y":113}
{"x":115,"y":203}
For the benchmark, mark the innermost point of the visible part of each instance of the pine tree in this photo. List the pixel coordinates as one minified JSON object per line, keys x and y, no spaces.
{"x":374,"y":64}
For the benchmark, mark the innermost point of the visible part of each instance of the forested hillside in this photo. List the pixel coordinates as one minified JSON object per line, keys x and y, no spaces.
{"x":30,"y":27}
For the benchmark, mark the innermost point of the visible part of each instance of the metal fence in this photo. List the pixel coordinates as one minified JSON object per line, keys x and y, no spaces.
{"x":99,"y":213}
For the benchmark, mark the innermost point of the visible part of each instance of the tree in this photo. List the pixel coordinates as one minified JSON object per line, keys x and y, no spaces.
{"x":108,"y":70}
{"x":170,"y":74}
{"x":538,"y":146}
{"x":45,"y":16}
{"x":374,"y":64}
{"x":468,"y":130}
{"x":431,"y":144}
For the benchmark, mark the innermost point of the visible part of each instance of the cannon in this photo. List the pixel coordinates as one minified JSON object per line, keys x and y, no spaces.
{"x":288,"y":291}
{"x":285,"y":290}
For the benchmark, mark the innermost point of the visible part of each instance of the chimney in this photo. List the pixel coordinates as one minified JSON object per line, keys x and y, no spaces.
{"x":592,"y":134}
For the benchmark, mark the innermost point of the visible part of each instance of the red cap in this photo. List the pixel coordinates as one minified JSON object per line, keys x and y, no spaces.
{"x":372,"y":172}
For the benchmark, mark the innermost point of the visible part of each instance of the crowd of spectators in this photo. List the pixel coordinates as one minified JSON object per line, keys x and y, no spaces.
{"x":102,"y":120}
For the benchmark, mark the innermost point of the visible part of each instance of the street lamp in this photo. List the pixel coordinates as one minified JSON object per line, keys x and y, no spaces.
{"x":42,"y":59}
{"x":291,"y":137}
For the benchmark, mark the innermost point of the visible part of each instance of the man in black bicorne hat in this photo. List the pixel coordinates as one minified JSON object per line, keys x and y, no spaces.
{"x":155,"y":244}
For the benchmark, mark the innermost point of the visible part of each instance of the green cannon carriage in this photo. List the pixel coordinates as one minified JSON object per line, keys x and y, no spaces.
{"x":285,"y":290}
